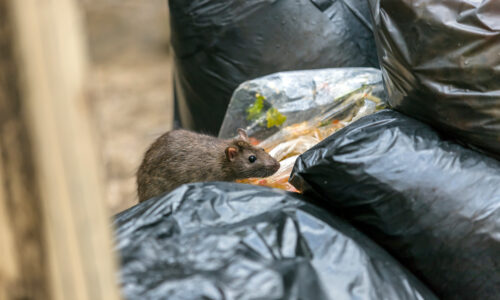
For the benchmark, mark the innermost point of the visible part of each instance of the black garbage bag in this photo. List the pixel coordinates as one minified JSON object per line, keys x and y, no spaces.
{"x":236,"y":241}
{"x":440,"y":62}
{"x":220,"y":44}
{"x":432,"y":203}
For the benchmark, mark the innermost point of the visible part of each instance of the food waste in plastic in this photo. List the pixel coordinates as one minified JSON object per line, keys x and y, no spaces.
{"x":288,"y":113}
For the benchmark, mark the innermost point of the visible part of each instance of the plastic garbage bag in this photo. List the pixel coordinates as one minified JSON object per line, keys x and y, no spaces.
{"x":220,"y":44}
{"x":234,"y":241}
{"x":440,"y":61}
{"x":432,"y":203}
{"x":289,"y":112}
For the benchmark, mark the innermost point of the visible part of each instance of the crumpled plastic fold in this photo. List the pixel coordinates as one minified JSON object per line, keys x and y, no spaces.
{"x":432,"y":203}
{"x":440,"y":62}
{"x":236,"y":241}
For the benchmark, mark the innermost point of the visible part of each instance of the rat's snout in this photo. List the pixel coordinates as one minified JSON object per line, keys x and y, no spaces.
{"x":271,"y":167}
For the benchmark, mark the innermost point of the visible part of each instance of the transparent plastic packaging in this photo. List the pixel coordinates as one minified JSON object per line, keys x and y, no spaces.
{"x":287,"y":113}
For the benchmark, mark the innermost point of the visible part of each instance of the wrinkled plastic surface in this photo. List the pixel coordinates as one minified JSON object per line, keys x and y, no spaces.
{"x":220,"y":44}
{"x":234,"y":241}
{"x":432,"y":203}
{"x":318,"y":95}
{"x":440,"y":61}
{"x":289,"y":112}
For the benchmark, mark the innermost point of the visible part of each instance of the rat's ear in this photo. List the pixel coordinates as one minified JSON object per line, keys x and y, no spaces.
{"x":231,"y":153}
{"x":242,"y":134}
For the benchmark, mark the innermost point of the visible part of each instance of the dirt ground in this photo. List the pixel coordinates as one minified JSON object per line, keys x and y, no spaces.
{"x":131,"y":86}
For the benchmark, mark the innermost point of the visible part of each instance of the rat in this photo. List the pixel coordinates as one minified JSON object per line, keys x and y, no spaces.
{"x":181,"y":156}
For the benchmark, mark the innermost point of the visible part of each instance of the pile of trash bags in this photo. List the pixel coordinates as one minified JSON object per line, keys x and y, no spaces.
{"x":390,"y":180}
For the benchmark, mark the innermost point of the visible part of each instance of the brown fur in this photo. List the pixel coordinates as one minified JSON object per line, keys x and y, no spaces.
{"x":182,"y":156}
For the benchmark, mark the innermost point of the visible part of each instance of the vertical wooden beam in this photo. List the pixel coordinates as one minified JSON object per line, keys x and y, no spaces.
{"x":22,"y":265}
{"x":75,"y":236}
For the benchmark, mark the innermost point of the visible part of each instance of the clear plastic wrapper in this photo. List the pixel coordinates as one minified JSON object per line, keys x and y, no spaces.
{"x":287,"y":113}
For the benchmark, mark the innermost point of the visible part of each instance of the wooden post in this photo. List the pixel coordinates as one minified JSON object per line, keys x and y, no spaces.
{"x":55,"y":237}
{"x":22,"y":267}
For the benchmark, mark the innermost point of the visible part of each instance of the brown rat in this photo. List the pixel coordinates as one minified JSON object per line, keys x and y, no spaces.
{"x":182,"y":156}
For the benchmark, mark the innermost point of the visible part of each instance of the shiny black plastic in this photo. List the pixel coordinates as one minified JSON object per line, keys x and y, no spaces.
{"x":441,"y":64}
{"x":432,"y":203}
{"x":235,"y":241}
{"x":220,"y":44}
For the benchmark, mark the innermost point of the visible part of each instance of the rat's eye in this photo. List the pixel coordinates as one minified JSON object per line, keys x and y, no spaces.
{"x":252,"y":158}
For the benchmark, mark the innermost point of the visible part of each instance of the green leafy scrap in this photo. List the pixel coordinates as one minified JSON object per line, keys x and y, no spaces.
{"x":274,"y":118}
{"x":255,"y":110}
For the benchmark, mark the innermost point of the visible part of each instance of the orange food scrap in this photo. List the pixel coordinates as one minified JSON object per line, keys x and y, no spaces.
{"x":254,"y":141}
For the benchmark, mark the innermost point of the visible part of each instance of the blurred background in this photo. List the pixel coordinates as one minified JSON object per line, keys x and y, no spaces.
{"x":131,"y":85}
{"x":85,"y":87}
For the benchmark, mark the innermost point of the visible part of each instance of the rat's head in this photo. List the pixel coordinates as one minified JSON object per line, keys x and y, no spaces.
{"x":248,"y":161}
